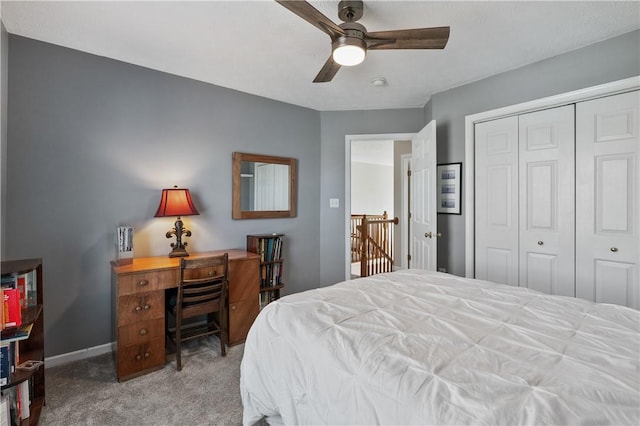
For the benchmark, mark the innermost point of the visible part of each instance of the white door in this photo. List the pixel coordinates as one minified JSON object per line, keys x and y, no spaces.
{"x":607,"y":218}
{"x":546,"y":206}
{"x":423,"y":199}
{"x":496,"y":176}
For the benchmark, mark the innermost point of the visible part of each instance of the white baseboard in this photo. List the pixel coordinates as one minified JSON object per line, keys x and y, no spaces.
{"x":78,"y":355}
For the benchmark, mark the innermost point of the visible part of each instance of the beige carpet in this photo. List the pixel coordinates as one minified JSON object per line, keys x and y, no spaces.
{"x":205,"y":392}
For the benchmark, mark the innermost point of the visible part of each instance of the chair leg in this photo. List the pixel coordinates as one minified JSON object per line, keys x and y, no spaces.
{"x":178,"y":343}
{"x":223,"y":326}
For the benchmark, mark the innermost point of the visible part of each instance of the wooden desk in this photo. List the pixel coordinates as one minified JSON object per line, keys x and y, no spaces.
{"x":138,"y":307}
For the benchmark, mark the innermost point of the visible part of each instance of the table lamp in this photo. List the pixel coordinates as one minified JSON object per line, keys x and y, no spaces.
{"x":177,"y":202}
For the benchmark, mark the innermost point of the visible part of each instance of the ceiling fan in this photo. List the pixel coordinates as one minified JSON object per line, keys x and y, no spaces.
{"x":350,"y":40}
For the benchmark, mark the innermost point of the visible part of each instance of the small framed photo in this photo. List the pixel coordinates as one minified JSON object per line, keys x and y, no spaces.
{"x":124,"y":244}
{"x":449,"y":185}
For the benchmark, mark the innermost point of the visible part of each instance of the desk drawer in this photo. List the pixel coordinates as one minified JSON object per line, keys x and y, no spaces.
{"x":203,"y":272}
{"x":141,"y":332}
{"x":140,"y":307}
{"x":147,"y":281}
{"x":136,"y":358}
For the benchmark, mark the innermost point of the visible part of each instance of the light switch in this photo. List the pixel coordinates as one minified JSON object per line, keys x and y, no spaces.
{"x":334,"y":203}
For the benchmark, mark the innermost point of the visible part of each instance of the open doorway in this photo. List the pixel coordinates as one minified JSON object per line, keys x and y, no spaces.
{"x":375,"y":180}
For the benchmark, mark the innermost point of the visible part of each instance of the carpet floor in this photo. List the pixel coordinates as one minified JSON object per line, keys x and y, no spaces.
{"x":205,"y":392}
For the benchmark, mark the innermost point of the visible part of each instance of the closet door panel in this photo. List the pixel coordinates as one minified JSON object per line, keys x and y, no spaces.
{"x":546,"y":203}
{"x":496,"y":168}
{"x":614,"y":188}
{"x":614,"y":282}
{"x":608,"y":182}
{"x":541,"y":272}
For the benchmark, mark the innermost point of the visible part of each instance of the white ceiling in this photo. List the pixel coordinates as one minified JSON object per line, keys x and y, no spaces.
{"x":260,"y":47}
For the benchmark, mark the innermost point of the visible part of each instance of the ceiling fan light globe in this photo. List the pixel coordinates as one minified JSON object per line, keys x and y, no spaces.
{"x":349,"y":55}
{"x":349,"y":51}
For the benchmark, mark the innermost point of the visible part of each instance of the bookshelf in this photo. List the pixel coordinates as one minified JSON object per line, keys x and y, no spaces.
{"x":27,"y":341}
{"x":269,"y":247}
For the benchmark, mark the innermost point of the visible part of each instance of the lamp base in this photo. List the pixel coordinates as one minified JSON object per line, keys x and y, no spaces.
{"x":179,"y":248}
{"x":179,"y":252}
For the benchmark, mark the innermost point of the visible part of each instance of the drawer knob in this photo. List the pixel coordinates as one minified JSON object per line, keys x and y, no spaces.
{"x":138,"y":357}
{"x":143,"y":283}
{"x":147,"y":307}
{"x":614,"y":249}
{"x":540,"y":242}
{"x":146,"y":354}
{"x":233,"y":307}
{"x":143,"y":331}
{"x":138,"y":308}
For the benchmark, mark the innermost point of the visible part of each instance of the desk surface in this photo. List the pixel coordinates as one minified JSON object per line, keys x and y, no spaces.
{"x":142,"y":264}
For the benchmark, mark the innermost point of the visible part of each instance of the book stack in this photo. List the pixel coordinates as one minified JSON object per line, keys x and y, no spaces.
{"x":271,"y":255}
{"x":7,"y":361}
{"x":17,"y":292}
{"x":269,"y":247}
{"x":14,"y":405}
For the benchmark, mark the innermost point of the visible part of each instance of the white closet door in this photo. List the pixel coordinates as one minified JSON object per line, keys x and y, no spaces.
{"x":496,"y":175}
{"x":607,"y":200}
{"x":546,"y":207}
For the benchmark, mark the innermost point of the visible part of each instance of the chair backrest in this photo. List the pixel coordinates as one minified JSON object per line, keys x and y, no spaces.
{"x":203,"y":285}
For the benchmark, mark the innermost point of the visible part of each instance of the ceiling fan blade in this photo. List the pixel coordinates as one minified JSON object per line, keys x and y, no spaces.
{"x":417,"y":38}
{"x":328,"y":71}
{"x":313,"y":16}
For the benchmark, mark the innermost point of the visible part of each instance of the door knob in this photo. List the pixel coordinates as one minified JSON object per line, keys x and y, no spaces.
{"x":432,"y":235}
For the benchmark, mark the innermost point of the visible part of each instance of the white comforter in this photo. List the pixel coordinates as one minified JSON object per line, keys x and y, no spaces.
{"x":418,"y":347}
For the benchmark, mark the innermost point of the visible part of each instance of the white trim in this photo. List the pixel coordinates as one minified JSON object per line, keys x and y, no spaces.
{"x":347,"y":185}
{"x":56,"y":360}
{"x":405,"y":161}
{"x":608,"y":89}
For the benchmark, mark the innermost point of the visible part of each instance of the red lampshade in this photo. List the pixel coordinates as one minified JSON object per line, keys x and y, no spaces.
{"x":176,"y":202}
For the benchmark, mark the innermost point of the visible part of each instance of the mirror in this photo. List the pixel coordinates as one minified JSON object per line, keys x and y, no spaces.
{"x":263,"y":186}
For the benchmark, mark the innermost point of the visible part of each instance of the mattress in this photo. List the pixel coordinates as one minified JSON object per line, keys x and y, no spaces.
{"x":421,"y":347}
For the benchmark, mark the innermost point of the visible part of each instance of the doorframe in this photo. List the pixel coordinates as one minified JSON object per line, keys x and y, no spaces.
{"x":607,"y":89}
{"x":347,"y":184}
{"x":405,"y":187}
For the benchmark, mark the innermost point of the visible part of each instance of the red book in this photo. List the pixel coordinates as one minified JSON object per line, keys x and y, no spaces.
{"x":11,"y":305}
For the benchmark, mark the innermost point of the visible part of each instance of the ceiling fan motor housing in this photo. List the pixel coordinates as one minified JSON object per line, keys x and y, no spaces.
{"x":354,"y":34}
{"x":353,"y":30}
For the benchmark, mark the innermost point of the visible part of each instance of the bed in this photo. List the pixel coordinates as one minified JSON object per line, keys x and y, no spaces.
{"x":421,"y":347}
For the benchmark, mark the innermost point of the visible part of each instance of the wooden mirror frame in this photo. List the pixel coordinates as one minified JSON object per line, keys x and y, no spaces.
{"x":237,"y":212}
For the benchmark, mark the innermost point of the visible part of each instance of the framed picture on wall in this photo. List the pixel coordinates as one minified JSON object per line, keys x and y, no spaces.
{"x":449,"y":185}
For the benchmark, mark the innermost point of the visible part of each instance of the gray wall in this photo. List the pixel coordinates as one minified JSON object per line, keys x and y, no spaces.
{"x":92,"y":142}
{"x":4,"y":82}
{"x":607,"y":61}
{"x":335,"y":126}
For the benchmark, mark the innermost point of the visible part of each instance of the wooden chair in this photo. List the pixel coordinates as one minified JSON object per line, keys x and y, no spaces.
{"x":202,"y":290}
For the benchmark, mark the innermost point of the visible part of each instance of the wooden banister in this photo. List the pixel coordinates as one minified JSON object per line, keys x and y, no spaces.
{"x":372,"y":243}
